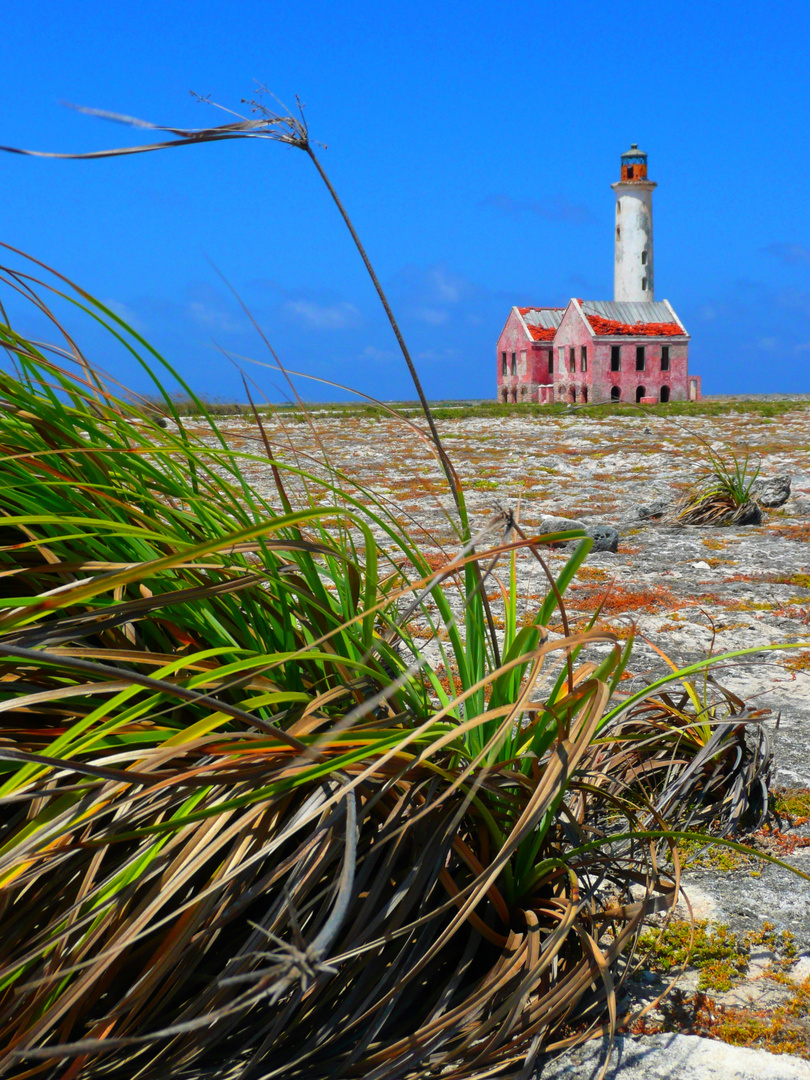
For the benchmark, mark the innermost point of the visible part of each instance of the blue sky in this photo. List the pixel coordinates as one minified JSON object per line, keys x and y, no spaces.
{"x":474,"y":147}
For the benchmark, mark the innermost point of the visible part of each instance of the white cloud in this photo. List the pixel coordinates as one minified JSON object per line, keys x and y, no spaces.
{"x":324,"y":316}
{"x":437,"y":355}
{"x":557,"y":208}
{"x":448,"y":289}
{"x":789,"y":254}
{"x":213,"y":318}
{"x":372,"y":353}
{"x":432,"y":316}
{"x":123,"y":311}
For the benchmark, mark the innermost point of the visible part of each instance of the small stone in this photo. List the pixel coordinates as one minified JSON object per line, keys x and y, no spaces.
{"x":648,"y":431}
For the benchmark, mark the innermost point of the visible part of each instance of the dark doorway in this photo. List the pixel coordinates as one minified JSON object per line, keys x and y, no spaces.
{"x":664,"y":393}
{"x":640,"y":393}
{"x":615,"y":394}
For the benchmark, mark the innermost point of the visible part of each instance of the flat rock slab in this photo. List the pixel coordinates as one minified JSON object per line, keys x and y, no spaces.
{"x":673,"y":1057}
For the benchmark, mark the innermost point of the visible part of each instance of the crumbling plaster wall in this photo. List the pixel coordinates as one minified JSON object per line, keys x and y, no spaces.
{"x":573,"y":332}
{"x":531,"y":359}
{"x":652,"y":378}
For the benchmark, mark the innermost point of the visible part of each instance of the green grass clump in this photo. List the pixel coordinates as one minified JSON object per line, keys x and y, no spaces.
{"x":230,"y":781}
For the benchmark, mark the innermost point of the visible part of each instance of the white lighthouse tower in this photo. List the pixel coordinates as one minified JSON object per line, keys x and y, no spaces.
{"x":633,"y":276}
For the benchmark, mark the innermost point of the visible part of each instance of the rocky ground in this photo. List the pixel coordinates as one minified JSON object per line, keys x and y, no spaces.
{"x":687,"y":590}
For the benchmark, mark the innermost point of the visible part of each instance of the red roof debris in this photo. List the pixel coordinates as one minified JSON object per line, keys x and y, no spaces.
{"x":541,"y":333}
{"x":611,"y":327}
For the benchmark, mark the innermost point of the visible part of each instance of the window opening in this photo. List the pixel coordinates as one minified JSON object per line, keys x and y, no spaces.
{"x":644,"y":258}
{"x":629,"y":172}
{"x":615,"y":394}
{"x":640,"y":393}
{"x":503,"y":364}
{"x":618,"y":233}
{"x":514,"y":363}
{"x":550,"y":361}
{"x":615,"y":357}
{"x":639,"y":357}
{"x":643,"y":284}
{"x":665,"y":357}
{"x":583,"y":357}
{"x":664,"y":393}
{"x":572,"y":358}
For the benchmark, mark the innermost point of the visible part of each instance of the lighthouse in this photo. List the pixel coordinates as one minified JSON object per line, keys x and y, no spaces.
{"x":633,"y":275}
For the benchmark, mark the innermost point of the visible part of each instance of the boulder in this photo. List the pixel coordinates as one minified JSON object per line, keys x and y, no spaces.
{"x":550,"y":524}
{"x":772,"y":492}
{"x":605,"y":537}
{"x":656,"y":509}
{"x":645,"y":511}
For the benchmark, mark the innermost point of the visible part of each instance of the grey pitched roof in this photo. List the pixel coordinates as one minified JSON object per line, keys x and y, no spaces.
{"x":547,"y":317}
{"x":632,"y":312}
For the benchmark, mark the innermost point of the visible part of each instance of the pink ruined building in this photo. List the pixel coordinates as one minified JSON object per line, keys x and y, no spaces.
{"x":632,"y":348}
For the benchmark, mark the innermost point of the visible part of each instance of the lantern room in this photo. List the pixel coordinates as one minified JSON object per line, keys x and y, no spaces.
{"x":634,"y":164}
